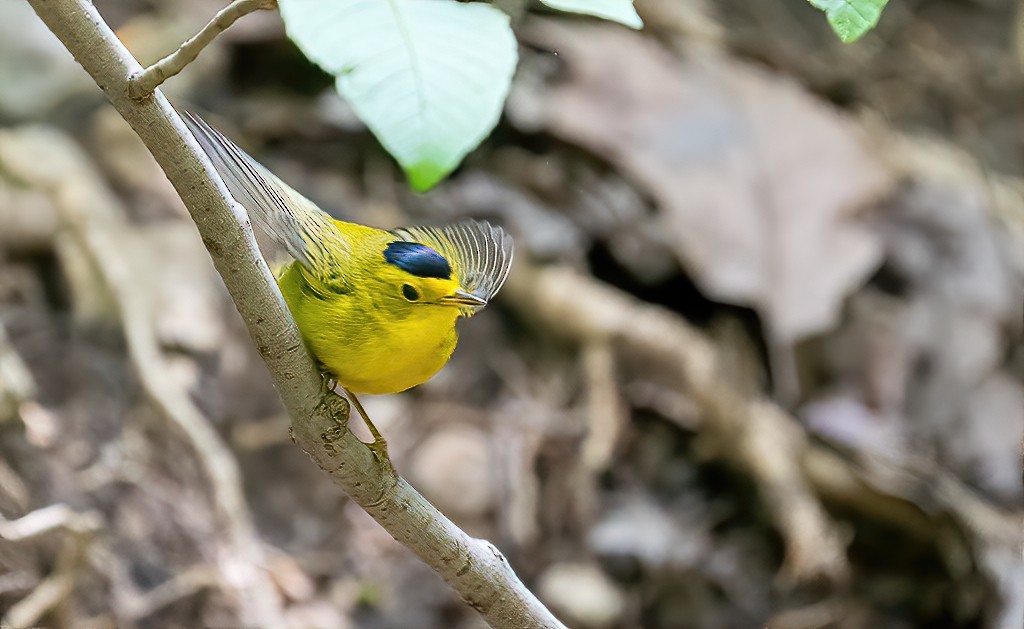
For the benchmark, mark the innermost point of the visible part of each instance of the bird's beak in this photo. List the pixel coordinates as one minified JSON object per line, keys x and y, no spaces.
{"x":464,"y":298}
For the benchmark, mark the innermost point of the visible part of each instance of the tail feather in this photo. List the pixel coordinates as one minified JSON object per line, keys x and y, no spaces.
{"x":305,"y":231}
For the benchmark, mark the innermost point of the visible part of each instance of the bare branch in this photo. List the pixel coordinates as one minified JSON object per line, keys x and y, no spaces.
{"x":473,"y":567}
{"x":143,"y":83}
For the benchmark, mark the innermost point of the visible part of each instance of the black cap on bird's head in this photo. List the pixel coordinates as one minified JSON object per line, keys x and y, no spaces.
{"x":418,"y":259}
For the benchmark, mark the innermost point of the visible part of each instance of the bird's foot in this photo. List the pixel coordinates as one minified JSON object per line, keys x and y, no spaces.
{"x":379,"y":447}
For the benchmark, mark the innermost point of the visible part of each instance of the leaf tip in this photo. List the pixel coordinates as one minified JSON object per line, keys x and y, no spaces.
{"x":425,"y":174}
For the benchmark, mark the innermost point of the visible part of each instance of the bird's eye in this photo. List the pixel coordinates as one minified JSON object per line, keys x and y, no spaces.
{"x":409,"y":292}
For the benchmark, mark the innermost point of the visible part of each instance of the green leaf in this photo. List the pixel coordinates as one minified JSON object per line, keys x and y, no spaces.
{"x":851,"y":18}
{"x":620,"y":11}
{"x":428,"y":77}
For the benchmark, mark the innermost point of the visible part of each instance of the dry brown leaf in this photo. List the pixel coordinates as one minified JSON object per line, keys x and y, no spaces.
{"x":757,"y":182}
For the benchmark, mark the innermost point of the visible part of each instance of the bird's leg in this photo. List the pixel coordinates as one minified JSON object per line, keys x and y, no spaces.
{"x":379,"y":445}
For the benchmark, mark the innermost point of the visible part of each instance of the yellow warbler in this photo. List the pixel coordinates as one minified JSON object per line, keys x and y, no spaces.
{"x":376,"y":308}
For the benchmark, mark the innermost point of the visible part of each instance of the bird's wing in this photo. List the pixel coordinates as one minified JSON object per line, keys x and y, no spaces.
{"x":480,"y":253}
{"x":306,"y":232}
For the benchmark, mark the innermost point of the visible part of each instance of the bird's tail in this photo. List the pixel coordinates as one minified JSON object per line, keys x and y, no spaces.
{"x":296,"y":223}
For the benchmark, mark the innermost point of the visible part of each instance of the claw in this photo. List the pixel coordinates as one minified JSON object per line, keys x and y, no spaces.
{"x":328,"y":382}
{"x":380,"y":450}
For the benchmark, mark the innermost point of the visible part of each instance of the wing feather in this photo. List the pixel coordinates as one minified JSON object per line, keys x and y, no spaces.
{"x":306,"y":232}
{"x":480,"y":253}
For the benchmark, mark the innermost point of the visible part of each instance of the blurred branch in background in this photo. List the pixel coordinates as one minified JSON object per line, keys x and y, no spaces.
{"x":755,"y":434}
{"x":48,"y":519}
{"x":792,"y":473}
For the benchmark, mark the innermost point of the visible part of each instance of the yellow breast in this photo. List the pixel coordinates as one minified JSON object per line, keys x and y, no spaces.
{"x":366,"y":348}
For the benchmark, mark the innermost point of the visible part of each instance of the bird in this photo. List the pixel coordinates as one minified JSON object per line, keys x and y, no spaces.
{"x":376,"y":308}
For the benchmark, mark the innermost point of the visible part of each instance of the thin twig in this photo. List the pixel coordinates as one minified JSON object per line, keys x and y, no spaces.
{"x":143,"y":83}
{"x":473,"y":567}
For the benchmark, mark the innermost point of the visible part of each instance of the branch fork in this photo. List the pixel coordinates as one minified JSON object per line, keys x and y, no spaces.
{"x":143,"y":83}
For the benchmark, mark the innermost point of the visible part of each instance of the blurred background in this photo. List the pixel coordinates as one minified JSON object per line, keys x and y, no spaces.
{"x":759,"y":362}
